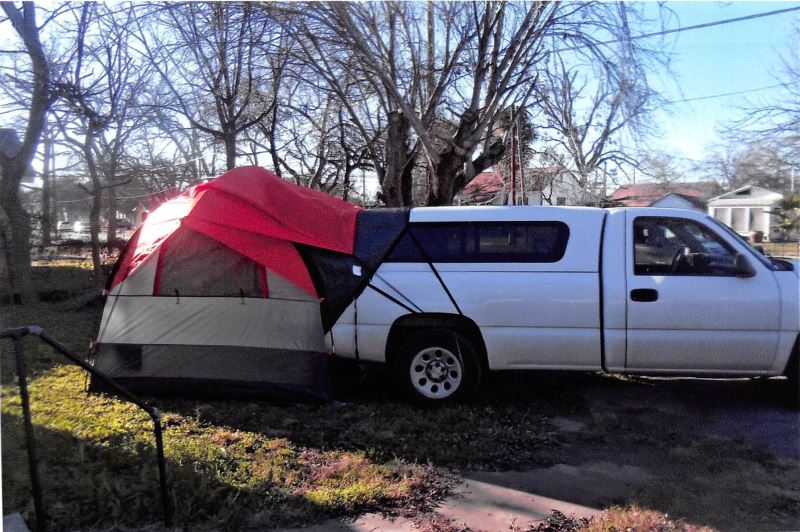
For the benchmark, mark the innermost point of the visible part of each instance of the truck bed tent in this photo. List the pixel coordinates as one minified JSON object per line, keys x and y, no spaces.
{"x":230,"y":287}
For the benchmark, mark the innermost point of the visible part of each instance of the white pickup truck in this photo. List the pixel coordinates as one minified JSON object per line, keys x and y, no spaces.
{"x":636,"y":291}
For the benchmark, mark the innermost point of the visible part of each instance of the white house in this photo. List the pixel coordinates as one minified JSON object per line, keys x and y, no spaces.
{"x":747,"y":209}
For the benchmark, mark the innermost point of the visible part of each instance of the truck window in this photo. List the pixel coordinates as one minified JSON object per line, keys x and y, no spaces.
{"x":485,"y":242}
{"x":677,"y":246}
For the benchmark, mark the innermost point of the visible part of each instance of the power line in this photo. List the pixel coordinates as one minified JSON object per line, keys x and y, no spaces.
{"x":688,"y":28}
{"x":724,"y":94}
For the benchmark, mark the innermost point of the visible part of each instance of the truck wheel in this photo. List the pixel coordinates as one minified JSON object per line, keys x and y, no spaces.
{"x":437,"y":367}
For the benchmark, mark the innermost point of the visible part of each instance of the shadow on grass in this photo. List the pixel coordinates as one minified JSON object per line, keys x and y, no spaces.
{"x":97,"y":485}
{"x":98,"y":468}
{"x":73,"y":323}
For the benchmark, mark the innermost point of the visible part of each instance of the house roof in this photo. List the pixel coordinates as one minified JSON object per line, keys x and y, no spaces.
{"x":492,"y":181}
{"x":484,"y":183}
{"x":747,"y":194}
{"x":645,"y":194}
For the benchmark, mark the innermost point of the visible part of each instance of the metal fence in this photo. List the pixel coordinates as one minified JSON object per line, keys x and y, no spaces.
{"x":17,"y":335}
{"x":782,"y":249}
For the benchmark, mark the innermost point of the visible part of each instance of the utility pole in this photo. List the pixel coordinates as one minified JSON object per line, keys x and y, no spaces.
{"x":513,"y":161}
{"x":521,"y":164}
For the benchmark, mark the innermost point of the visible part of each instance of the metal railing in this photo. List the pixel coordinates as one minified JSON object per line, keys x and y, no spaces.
{"x":17,"y":334}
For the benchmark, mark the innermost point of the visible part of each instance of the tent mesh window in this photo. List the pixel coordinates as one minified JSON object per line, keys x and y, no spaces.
{"x":196,"y":265}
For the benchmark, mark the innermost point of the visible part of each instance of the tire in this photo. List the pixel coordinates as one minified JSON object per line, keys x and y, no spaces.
{"x":437,"y":367}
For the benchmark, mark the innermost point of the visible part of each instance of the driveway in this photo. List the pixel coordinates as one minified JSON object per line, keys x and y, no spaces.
{"x":724,"y":453}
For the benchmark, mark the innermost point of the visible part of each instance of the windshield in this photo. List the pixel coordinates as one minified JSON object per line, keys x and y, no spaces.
{"x":763,"y":259}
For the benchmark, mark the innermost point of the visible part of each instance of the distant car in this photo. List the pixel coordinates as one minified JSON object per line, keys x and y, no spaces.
{"x":81,"y":229}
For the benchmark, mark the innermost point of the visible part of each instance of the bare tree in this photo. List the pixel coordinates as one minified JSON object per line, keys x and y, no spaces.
{"x":213,"y":60}
{"x":17,"y":236}
{"x":465,"y":63}
{"x":770,"y":130}
{"x":587,"y":110}
{"x":101,"y":111}
{"x":780,"y":116}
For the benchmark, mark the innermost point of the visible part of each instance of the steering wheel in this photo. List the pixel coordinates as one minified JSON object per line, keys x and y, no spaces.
{"x":677,"y":260}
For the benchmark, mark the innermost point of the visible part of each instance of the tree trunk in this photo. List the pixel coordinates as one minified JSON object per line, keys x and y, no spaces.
{"x":97,"y":207}
{"x":111,"y":232}
{"x":94,"y":228}
{"x":47,"y":187}
{"x":453,"y":173}
{"x":398,"y":162}
{"x":17,"y":241}
{"x":18,"y":234}
{"x":230,"y":151}
{"x":442,"y":192}
{"x":348,"y":169}
{"x":273,"y":144}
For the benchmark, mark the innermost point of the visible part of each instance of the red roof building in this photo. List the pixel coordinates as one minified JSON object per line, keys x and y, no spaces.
{"x":483,"y":189}
{"x":688,"y":195}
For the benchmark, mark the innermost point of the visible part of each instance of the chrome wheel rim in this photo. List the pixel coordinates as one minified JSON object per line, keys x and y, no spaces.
{"x":436,"y":372}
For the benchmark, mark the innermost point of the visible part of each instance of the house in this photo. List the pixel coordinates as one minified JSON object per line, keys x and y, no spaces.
{"x":557,"y":186}
{"x":549,"y":185}
{"x":749,"y":209}
{"x":666,"y":195}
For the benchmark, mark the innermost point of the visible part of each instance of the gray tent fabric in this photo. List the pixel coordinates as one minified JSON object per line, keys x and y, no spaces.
{"x":216,"y":371}
{"x":247,"y":322}
{"x":194,"y":320}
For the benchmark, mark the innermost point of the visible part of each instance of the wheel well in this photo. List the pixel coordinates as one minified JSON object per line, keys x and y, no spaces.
{"x":793,"y":358}
{"x":411,"y":323}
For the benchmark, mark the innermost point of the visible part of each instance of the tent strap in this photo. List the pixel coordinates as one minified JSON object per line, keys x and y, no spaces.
{"x":392,"y":298}
{"x":434,"y":270}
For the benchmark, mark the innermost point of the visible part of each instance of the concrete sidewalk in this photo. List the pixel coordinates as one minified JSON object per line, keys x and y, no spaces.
{"x":474,"y":505}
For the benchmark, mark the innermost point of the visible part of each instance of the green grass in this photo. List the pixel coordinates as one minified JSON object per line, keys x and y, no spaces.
{"x":231,"y":464}
{"x":98,"y":466}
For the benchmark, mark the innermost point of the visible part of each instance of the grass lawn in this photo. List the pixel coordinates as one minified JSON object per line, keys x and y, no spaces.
{"x":231,"y":464}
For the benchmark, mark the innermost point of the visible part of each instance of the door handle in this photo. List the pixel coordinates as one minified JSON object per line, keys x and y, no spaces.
{"x":644,"y":295}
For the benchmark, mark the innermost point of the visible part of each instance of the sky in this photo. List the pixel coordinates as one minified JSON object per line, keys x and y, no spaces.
{"x":721,"y":59}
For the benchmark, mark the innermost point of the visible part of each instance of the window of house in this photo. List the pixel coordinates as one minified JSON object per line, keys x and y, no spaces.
{"x":485,"y":242}
{"x":676,"y":246}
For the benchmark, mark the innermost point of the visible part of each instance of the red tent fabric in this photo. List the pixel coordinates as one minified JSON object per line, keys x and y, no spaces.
{"x":255,"y":213}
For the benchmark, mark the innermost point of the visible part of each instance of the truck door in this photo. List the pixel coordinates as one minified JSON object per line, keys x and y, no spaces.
{"x":693,"y":307}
